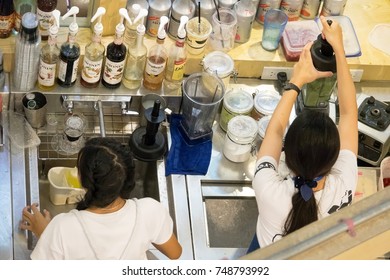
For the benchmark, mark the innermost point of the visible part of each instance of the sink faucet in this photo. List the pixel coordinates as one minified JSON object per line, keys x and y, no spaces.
{"x":99,"y":107}
{"x":127,"y":112}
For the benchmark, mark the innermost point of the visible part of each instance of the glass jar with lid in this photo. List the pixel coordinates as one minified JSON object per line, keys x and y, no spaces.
{"x":219,"y":63}
{"x":239,"y":138}
{"x":265,"y":103}
{"x":236,"y":102}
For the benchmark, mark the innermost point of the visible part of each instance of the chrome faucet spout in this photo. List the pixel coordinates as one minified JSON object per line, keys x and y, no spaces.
{"x":99,"y":106}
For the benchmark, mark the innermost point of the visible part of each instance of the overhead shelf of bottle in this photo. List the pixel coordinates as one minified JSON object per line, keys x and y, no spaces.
{"x":250,"y":58}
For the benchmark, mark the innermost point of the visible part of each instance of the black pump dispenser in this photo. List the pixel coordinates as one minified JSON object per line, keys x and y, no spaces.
{"x":148,"y":143}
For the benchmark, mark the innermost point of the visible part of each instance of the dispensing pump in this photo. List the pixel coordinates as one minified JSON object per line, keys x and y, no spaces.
{"x":116,"y":54}
{"x":69,"y":53}
{"x":157,"y":57}
{"x":148,"y":143}
{"x":131,"y":29}
{"x":49,"y":56}
{"x":316,"y":95}
{"x":177,"y":58}
{"x":94,"y":53}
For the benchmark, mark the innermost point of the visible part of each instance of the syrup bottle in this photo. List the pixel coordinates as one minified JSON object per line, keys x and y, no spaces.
{"x":6,"y":18}
{"x":116,"y":55}
{"x":44,"y":10}
{"x":69,"y":53}
{"x":49,"y":57}
{"x":94,"y":54}
{"x":157,"y":57}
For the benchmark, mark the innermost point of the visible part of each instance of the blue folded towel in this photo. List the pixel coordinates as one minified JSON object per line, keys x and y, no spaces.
{"x":186,"y":158}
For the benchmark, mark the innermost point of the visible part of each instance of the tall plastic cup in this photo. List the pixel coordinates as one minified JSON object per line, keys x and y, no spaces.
{"x":224,"y":25}
{"x":274,"y":23}
{"x":202,"y":95}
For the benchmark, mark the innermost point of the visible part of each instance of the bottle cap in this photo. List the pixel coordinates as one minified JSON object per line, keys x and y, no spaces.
{"x":29,"y":23}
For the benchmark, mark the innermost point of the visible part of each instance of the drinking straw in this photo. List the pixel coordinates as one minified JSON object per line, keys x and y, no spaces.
{"x":199,"y":17}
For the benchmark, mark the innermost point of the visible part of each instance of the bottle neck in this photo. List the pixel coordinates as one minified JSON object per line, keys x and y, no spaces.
{"x":52,"y":40}
{"x":97,"y":38}
{"x":118,"y":39}
{"x":179,"y":43}
{"x":140,"y":40}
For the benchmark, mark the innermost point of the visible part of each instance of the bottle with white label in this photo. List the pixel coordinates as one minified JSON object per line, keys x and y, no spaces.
{"x":44,"y":10}
{"x":177,"y":58}
{"x":157,"y":57}
{"x":69,"y":53}
{"x":49,"y":57}
{"x":116,"y":55}
{"x":292,"y":8}
{"x":94,"y":54}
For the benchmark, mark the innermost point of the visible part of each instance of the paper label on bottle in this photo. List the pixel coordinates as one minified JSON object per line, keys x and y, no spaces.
{"x":178,"y":70}
{"x":91,"y":70}
{"x":6,"y":23}
{"x":154,"y":68}
{"x":45,"y":21}
{"x":47,"y":74}
{"x":113,"y":72}
{"x":62,"y":70}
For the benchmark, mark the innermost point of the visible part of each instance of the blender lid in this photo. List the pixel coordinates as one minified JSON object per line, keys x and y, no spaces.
{"x":238,"y":101}
{"x":218,"y":62}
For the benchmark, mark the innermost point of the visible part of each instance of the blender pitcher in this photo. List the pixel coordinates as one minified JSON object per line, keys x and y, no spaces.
{"x":202,"y":95}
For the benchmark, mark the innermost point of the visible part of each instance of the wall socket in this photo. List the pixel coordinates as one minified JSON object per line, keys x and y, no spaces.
{"x":356,"y":74}
{"x":269,"y":73}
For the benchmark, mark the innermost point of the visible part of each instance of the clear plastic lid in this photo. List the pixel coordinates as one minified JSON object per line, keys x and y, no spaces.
{"x":266,"y":101}
{"x":238,"y":101}
{"x":218,"y":62}
{"x":242,"y":129}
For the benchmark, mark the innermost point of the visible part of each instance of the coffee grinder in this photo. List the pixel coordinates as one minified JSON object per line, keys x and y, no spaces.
{"x":316,"y":95}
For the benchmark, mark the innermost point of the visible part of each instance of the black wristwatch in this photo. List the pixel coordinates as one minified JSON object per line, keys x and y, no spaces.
{"x":289,"y":86}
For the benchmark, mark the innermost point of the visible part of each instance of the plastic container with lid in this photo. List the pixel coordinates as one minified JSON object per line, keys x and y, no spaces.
{"x":265,"y":103}
{"x":219,"y":63}
{"x":262,"y":126}
{"x":296,"y":35}
{"x":236,"y":102}
{"x":239,"y":138}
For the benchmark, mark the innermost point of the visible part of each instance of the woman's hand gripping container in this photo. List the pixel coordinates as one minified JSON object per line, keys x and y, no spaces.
{"x":65,"y":187}
{"x":296,"y":35}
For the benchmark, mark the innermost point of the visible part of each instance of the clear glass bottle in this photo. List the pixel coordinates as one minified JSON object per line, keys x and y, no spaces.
{"x":135,"y":61}
{"x":22,"y":7}
{"x":69,"y":53}
{"x":177,"y":58}
{"x":6,"y":18}
{"x":27,"y":51}
{"x":157,"y":57}
{"x":94,"y":54}
{"x":116,"y":55}
{"x":49,"y":57}
{"x":44,"y":10}
{"x":157,"y":9}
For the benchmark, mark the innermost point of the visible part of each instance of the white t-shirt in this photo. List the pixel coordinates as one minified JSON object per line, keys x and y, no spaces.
{"x":124,"y":234}
{"x":274,"y":192}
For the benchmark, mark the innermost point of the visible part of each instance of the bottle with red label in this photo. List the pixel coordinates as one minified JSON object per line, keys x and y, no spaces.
{"x":44,"y":13}
{"x":292,"y":8}
{"x":6,"y":18}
